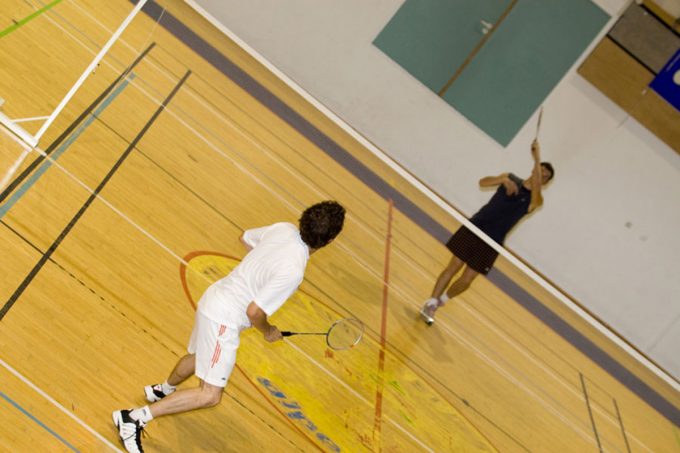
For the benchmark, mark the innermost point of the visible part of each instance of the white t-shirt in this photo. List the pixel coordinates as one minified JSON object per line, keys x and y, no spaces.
{"x":268,"y":276}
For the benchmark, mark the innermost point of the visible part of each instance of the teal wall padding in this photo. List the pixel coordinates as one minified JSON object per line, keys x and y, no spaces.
{"x":515,"y":70}
{"x":522,"y":62}
{"x":431,"y":38}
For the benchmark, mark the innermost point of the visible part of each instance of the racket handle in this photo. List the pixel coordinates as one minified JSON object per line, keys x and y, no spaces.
{"x":286,"y":333}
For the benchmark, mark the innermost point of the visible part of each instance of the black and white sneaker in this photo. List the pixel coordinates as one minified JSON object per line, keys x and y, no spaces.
{"x":129,"y":431}
{"x":155,"y":393}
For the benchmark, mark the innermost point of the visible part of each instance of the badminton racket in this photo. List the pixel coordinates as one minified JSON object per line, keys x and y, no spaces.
{"x":343,"y":334}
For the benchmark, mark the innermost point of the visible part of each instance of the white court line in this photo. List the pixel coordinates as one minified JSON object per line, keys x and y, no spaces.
{"x":502,"y":371}
{"x":509,"y":340}
{"x":26,"y":120}
{"x":219,"y":152}
{"x":58,"y":406}
{"x":177,"y":257}
{"x":361,"y":398}
{"x":436,"y":199}
{"x":87,"y":72}
{"x":236,"y":128}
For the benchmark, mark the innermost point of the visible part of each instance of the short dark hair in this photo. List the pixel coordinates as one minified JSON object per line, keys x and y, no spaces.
{"x":550,"y":168}
{"x":321,"y":223}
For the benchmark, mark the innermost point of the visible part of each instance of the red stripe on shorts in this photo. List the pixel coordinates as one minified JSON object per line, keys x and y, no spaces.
{"x":218,"y":348}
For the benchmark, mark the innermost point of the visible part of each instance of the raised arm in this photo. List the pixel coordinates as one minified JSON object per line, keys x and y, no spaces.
{"x":492,"y":181}
{"x":536,"y":179}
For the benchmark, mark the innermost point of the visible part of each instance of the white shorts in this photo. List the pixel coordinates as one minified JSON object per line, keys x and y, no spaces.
{"x":215,"y":347}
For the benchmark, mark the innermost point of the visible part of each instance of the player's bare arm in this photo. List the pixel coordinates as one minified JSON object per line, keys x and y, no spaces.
{"x":536,"y":177}
{"x":258,"y":318}
{"x":492,"y":181}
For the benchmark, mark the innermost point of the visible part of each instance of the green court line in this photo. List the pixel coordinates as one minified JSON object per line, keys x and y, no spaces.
{"x":27,"y":19}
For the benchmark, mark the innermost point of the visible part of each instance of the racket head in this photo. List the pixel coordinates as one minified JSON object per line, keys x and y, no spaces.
{"x":345,"y":334}
{"x":538,"y":123}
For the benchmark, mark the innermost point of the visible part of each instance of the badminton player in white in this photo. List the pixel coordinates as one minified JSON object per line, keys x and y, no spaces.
{"x":268,"y":275}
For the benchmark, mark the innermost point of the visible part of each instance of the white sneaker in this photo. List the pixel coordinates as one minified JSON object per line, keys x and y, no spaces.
{"x":427,"y":312}
{"x":129,"y":430}
{"x":155,"y":393}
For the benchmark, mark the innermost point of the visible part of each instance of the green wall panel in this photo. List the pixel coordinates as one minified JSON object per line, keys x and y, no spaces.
{"x":512,"y":73}
{"x":522,"y":62}
{"x":432,"y":38}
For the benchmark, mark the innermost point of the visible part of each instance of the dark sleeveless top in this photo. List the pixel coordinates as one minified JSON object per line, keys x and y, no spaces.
{"x":502,"y":212}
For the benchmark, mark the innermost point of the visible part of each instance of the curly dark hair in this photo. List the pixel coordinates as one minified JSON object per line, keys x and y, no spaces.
{"x":321,"y":223}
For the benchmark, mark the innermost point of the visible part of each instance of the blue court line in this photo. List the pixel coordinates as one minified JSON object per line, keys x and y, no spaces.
{"x":63,"y":147}
{"x":41,"y":424}
{"x":326,"y":144}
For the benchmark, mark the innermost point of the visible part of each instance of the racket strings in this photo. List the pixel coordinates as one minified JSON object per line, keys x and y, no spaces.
{"x":345,"y":334}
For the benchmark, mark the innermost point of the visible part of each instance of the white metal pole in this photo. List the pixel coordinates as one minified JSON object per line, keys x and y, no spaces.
{"x":13,"y":169}
{"x":87,"y":71}
{"x":17,"y":130}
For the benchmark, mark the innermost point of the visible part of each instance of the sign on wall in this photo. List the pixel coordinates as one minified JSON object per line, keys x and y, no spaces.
{"x":667,"y":81}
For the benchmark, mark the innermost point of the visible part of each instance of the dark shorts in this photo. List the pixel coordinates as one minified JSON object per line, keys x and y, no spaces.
{"x":473,"y":251}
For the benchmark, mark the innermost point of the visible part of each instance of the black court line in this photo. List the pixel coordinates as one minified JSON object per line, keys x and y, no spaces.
{"x":590,"y":412}
{"x":46,"y":256}
{"x":405,"y":357}
{"x":37,"y":161}
{"x":268,"y":99}
{"x":623,"y":430}
{"x":89,"y":288}
{"x":159,"y":341}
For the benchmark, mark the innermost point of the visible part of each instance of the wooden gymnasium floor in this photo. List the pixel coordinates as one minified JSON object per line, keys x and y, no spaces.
{"x":98,"y":291}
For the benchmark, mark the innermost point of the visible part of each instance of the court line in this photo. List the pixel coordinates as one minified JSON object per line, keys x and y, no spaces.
{"x":57,"y":405}
{"x":383,"y":329}
{"x":544,"y":366}
{"x":180,"y":259}
{"x":238,"y":130}
{"x":505,"y":373}
{"x":220,"y":115}
{"x":160,"y":244}
{"x":230,"y":159}
{"x":185,"y":265}
{"x":24,"y":174}
{"x":352,"y":132}
{"x":423,"y":373}
{"x":623,"y":429}
{"x":22,"y":287}
{"x":236,"y":74}
{"x":361,"y":398}
{"x":190,"y":128}
{"x":264,"y":396}
{"x":36,"y":420}
{"x":510,"y":372}
{"x":16,"y":196}
{"x":27,"y":19}
{"x":590,"y":412}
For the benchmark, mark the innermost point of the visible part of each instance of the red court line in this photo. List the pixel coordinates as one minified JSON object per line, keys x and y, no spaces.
{"x":383,"y":325}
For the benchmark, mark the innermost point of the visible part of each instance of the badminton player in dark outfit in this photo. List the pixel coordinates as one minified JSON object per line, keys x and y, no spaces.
{"x":513,"y":199}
